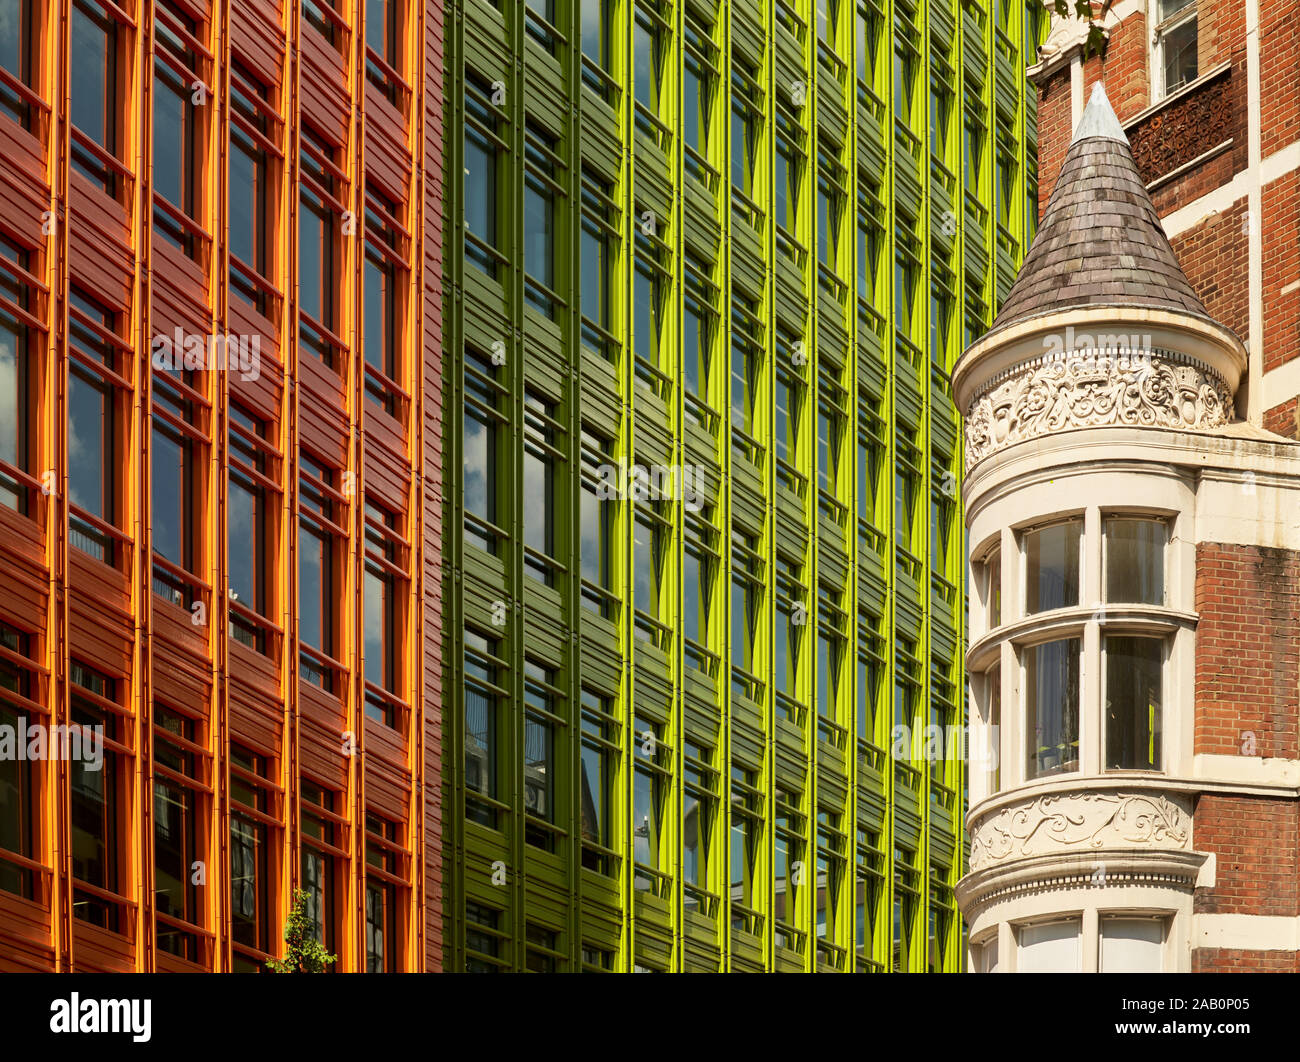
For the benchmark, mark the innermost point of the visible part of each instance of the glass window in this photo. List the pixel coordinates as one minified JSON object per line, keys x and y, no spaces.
{"x":1131,"y":944}
{"x":92,"y":457}
{"x":539,"y":221}
{"x":177,"y":153}
{"x":481,"y":711}
{"x":599,"y":757}
{"x":249,"y":190}
{"x":99,"y":803}
{"x":539,"y":486}
{"x":18,"y":822}
{"x":177,"y":832}
{"x":249,"y":862}
{"x":1052,"y":708}
{"x":322,"y":872}
{"x":1177,"y":40}
{"x":383,"y":947}
{"x":1135,"y":560}
{"x":479,"y":457}
{"x":597,"y":16}
{"x":93,"y":92}
{"x":539,"y":752}
{"x":1052,"y":567}
{"x":1133,"y":692}
{"x":16,"y":382}
{"x":993,"y":741}
{"x":484,"y":939}
{"x":1053,"y":947}
{"x":480,"y":185}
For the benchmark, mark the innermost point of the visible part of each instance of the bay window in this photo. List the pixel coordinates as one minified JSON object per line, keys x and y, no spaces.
{"x":1052,"y":566}
{"x":1051,"y":676}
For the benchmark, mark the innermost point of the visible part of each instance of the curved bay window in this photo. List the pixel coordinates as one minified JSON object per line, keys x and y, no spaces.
{"x":1052,"y":566}
{"x":1051,"y":674}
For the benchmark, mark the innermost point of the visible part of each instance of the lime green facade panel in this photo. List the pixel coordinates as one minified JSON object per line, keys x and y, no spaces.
{"x":710,"y":263}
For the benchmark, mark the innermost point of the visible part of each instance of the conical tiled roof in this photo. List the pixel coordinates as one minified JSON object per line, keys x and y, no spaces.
{"x":1101,"y":242}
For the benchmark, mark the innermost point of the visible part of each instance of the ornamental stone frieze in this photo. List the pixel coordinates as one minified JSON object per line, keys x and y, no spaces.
{"x":1080,"y":822}
{"x":1159,"y":390}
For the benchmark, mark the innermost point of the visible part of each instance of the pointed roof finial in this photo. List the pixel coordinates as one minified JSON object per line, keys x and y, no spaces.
{"x":1099,"y":119}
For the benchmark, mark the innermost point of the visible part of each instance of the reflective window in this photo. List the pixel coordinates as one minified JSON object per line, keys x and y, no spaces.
{"x":1052,"y":567}
{"x":1135,"y":560}
{"x":1052,"y":708}
{"x":93,"y":94}
{"x":1133,"y":698}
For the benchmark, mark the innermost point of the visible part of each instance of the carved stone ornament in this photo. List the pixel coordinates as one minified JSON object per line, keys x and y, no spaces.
{"x":1080,"y":822}
{"x":1086,"y":391}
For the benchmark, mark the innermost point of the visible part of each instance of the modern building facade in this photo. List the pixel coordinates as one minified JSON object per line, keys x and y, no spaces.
{"x":220,"y":481}
{"x":1131,"y":488}
{"x":708,"y":267}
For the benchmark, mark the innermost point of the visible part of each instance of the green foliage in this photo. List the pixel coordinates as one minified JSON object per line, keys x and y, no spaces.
{"x":1084,"y":9}
{"x":303,"y":952}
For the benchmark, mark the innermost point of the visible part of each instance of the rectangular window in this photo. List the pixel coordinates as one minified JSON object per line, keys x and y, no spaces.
{"x":384,"y":599}
{"x":319,"y":535}
{"x":651,"y":784}
{"x":19,"y":31}
{"x":383,"y":872}
{"x":19,"y":820}
{"x":1053,"y":947}
{"x":253,"y":121}
{"x":1052,"y":567}
{"x":485,"y":941}
{"x":178,"y":467}
{"x":385,"y":26}
{"x":321,"y":195}
{"x":17,"y":377}
{"x":323,"y":17}
{"x":99,"y":805}
{"x":250,"y":515}
{"x":324,"y":861}
{"x":1052,"y":708}
{"x":599,"y":241}
{"x":540,"y":220}
{"x":95,"y":406}
{"x":480,"y":458}
{"x":482,"y":710}
{"x":1133,"y":694}
{"x":651,"y":534}
{"x":178,"y":143}
{"x":540,"y":721}
{"x":1176,"y":43}
{"x":250,"y":861}
{"x":180,"y":832}
{"x":600,"y":754}
{"x":94,"y":96}
{"x":699,"y":807}
{"x":1131,"y":944}
{"x":540,"y":456}
{"x":746,"y":845}
{"x":598,"y":518}
{"x":1135,"y":560}
{"x":482,"y":154}
{"x":384,"y":294}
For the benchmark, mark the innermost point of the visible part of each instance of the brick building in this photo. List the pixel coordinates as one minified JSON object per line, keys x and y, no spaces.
{"x":1133,"y":505}
{"x":230,"y":573}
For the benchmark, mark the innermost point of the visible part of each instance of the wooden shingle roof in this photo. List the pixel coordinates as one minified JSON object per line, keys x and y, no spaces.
{"x":1101,"y":242}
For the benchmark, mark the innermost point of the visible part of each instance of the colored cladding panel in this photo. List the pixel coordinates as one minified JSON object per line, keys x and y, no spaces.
{"x":708,"y":266}
{"x":226,"y":555}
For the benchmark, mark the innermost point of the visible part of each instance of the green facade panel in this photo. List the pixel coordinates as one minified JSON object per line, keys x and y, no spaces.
{"x":710,"y":263}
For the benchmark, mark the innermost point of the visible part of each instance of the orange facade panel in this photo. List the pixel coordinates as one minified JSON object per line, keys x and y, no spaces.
{"x":187,"y":547}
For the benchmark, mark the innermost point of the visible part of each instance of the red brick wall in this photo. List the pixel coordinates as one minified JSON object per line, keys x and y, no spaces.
{"x":1247,"y":648}
{"x":1234,"y":960}
{"x":1054,"y":131}
{"x":1281,"y":420}
{"x":1214,"y":256}
{"x":1256,"y":841}
{"x":1124,"y":68}
{"x":1279,"y":73}
{"x":1281,"y":270}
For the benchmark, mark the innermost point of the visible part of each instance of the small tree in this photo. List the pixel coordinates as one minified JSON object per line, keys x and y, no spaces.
{"x":303,"y":953}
